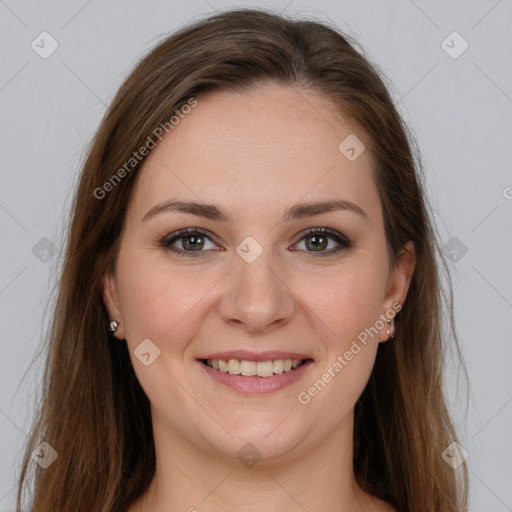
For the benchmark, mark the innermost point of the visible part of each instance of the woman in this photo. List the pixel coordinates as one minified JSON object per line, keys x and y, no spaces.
{"x":249,"y":314}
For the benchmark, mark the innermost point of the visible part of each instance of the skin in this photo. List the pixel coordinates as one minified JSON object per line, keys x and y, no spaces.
{"x":254,"y":154}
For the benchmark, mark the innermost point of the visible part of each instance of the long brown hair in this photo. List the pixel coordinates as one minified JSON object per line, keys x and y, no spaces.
{"x":93,"y":411}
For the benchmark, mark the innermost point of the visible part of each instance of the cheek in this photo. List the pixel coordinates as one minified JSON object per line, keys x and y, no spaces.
{"x":346,"y":301}
{"x":347,"y":304}
{"x":156,"y":300}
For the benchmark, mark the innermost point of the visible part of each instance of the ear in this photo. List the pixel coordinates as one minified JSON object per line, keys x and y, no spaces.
{"x":398,"y":283}
{"x":111,"y":301}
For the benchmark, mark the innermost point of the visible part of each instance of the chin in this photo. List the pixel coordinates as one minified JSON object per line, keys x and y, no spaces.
{"x":266,"y":437}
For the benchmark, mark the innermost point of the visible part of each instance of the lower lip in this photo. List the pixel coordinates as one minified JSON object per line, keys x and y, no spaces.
{"x":255,"y":385}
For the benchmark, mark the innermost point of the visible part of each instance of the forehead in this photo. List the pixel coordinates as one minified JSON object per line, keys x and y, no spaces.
{"x":259,"y":150}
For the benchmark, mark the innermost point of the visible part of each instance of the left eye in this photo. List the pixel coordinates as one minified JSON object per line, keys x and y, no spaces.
{"x":315,"y":241}
{"x":318,"y":240}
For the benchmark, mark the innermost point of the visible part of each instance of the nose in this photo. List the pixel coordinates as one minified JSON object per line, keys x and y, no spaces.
{"x":257,"y":296}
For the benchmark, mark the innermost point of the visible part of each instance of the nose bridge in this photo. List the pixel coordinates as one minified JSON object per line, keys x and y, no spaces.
{"x":256,"y":295}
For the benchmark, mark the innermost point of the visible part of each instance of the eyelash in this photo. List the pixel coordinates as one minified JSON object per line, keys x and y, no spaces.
{"x":344,"y":242}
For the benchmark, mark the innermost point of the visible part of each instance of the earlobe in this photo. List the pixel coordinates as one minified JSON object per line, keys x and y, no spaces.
{"x":398,"y":285}
{"x":111,"y":301}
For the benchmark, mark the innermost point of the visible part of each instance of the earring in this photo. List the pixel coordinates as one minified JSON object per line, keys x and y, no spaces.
{"x":113,"y":326}
{"x":391,"y":331}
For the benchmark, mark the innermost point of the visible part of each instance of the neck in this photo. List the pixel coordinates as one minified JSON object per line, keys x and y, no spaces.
{"x":319,"y":477}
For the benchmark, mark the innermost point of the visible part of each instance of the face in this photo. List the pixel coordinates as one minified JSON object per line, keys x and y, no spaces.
{"x":259,"y":278}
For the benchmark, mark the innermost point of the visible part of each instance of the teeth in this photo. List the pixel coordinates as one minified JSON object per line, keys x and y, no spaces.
{"x":252,"y":368}
{"x":278,"y":366}
{"x":248,"y":367}
{"x":234,"y":367}
{"x":265,"y":369}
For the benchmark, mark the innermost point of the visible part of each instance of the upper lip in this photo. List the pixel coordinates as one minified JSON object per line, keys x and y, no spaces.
{"x":247,"y":355}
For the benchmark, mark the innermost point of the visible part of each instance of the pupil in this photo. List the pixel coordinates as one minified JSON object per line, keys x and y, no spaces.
{"x":315,"y":241}
{"x":190,"y":240}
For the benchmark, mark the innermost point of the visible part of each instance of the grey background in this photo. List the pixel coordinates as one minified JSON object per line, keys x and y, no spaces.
{"x":459,"y":109}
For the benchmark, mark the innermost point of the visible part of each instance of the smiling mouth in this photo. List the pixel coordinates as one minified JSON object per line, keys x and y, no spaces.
{"x":254,"y":368}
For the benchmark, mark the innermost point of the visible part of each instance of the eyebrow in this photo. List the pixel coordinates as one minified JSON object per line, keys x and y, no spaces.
{"x":297,"y":211}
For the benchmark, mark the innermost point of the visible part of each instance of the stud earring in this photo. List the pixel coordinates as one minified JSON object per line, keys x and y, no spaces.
{"x":113,"y":326}
{"x":391,"y":331}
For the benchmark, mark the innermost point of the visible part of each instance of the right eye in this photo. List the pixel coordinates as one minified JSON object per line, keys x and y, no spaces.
{"x":191,"y":241}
